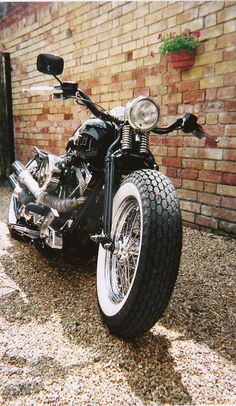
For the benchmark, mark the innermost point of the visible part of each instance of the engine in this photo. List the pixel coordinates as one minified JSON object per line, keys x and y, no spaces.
{"x":49,"y":173}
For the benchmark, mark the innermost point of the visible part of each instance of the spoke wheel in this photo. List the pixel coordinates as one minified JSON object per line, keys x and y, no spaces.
{"x":122,"y":263}
{"x":135,"y":280}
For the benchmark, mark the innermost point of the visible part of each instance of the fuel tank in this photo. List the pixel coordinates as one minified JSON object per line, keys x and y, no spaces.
{"x":92,"y":139}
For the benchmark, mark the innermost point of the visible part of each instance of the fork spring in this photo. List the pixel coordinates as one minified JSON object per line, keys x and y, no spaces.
{"x":144,"y":145}
{"x":126,"y":138}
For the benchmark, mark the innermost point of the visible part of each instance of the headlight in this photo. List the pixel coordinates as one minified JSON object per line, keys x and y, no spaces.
{"x":142,"y":113}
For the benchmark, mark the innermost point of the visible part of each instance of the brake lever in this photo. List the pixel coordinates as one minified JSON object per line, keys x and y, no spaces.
{"x":200,"y":133}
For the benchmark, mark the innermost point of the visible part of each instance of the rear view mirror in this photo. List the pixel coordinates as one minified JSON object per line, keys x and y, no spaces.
{"x":50,"y":64}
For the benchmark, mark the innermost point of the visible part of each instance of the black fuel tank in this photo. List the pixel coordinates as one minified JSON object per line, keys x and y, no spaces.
{"x":92,"y":139}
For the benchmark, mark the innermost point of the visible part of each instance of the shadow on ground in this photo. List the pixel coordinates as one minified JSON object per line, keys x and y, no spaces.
{"x":201,"y":309}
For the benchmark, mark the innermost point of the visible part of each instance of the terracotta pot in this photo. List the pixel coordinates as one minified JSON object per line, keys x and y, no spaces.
{"x":181,"y":60}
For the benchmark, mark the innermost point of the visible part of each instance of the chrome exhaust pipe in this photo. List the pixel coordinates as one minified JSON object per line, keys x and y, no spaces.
{"x":61,"y":205}
{"x":12,"y":181}
{"x":24,"y":177}
{"x":24,"y":231}
{"x":18,"y":167}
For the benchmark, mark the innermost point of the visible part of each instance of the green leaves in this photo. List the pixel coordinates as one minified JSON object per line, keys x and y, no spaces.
{"x":178,"y":43}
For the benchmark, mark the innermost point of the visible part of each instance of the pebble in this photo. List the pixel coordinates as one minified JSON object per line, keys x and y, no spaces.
{"x":56,"y":351}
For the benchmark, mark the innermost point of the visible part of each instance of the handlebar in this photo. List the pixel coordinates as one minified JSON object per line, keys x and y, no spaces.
{"x":42,"y":90}
{"x":187,"y":124}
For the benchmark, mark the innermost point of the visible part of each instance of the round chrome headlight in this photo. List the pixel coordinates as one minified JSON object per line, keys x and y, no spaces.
{"x":142,"y":113}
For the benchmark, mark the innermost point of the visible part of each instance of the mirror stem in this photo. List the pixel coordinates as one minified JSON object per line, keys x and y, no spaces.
{"x":57,"y":79}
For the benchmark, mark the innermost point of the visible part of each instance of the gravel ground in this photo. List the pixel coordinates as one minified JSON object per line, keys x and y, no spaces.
{"x":56,"y":351}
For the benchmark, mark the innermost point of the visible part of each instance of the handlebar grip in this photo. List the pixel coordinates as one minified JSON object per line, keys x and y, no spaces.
{"x":39,"y":90}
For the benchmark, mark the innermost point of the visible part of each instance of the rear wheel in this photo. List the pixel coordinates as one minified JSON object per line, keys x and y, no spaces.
{"x":136,"y":279}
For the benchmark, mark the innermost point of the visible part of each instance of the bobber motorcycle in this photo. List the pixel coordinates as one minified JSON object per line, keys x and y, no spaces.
{"x":106,"y":192}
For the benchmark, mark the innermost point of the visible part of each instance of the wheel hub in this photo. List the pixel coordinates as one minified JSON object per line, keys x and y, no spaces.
{"x":124,"y":248}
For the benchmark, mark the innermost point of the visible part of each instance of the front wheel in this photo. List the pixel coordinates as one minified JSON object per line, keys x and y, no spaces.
{"x":136,"y":279}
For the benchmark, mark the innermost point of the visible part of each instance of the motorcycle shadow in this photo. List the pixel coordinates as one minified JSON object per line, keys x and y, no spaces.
{"x":53,"y":311}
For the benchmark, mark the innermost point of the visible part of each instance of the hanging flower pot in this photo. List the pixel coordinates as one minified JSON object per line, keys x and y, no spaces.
{"x":179,"y":49}
{"x":181,"y":60}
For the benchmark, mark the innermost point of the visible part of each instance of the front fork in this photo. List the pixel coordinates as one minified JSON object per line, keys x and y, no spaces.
{"x":105,"y":237}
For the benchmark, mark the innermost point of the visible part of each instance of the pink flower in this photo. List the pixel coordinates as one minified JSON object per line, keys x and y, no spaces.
{"x":196,"y":34}
{"x":172,"y":34}
{"x":159,"y":35}
{"x":152,"y":54}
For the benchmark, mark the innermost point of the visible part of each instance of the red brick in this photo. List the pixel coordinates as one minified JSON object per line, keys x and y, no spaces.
{"x":210,"y":187}
{"x":229,"y":179}
{"x":173,"y":162}
{"x":227,"y":118}
{"x":229,"y":54}
{"x":209,"y":70}
{"x":230,"y":155}
{"x":214,"y":130}
{"x":226,"y":41}
{"x":208,"y":198}
{"x":192,"y":163}
{"x":225,"y":93}
{"x":173,"y":141}
{"x":172,"y":151}
{"x":189,"y":85}
{"x":171,"y":172}
{"x":177,"y":183}
{"x":175,"y":98}
{"x":188,"y":152}
{"x":228,"y":202}
{"x":68,"y":116}
{"x":188,"y":174}
{"x":230,"y":79}
{"x":187,"y":194}
{"x":206,"y":210}
{"x":211,"y":94}
{"x":171,"y":77}
{"x":214,"y":106}
{"x":207,"y":221}
{"x":187,"y":16}
{"x":192,"y":185}
{"x":230,"y":130}
{"x":173,"y":88}
{"x":191,"y":141}
{"x":221,"y":213}
{"x":229,"y":142}
{"x":115,"y":78}
{"x":226,"y":166}
{"x":230,"y":105}
{"x":140,"y":73}
{"x":210,"y":176}
{"x":159,"y":151}
{"x":173,"y":108}
{"x":141,"y":92}
{"x":157,"y":69}
{"x":190,"y":206}
{"x":194,"y":97}
{"x":209,"y":153}
{"x":156,"y":140}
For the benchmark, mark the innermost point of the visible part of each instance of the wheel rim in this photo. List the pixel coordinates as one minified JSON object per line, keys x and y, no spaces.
{"x":122,"y":263}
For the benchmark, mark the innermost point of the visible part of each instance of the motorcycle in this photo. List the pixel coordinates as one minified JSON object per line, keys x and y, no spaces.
{"x":106,"y":193}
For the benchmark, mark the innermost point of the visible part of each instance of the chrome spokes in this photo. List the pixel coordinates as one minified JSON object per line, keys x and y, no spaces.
{"x":123,"y":261}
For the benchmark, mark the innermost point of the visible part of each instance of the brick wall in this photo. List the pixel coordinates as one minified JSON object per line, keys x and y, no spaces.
{"x":106,"y":47}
